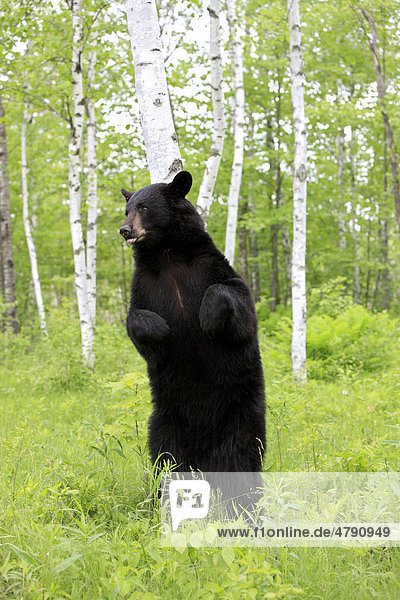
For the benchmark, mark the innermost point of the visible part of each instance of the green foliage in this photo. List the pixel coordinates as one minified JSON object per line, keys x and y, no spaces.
{"x":77,"y":512}
{"x":343,"y":338}
{"x":330,"y":299}
{"x":354,"y":341}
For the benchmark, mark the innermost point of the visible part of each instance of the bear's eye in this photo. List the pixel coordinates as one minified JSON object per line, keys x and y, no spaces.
{"x":141,"y":207}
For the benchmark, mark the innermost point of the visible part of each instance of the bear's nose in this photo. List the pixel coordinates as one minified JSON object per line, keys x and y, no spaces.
{"x":125,"y":231}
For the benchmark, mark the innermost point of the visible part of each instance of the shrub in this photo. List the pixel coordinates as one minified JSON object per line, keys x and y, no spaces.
{"x":355,"y":340}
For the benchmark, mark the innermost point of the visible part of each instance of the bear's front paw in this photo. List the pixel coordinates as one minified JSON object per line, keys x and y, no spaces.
{"x":146,"y":326}
{"x":214,"y":310}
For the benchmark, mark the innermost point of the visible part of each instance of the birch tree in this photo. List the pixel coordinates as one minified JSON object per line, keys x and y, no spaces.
{"x":219,"y":123}
{"x":7,"y":255}
{"x":27,"y":226}
{"x":299,"y":306}
{"x":91,"y":236}
{"x":238,"y":135}
{"x":75,"y":142}
{"x":161,"y":142}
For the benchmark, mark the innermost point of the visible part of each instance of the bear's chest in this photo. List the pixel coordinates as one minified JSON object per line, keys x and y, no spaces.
{"x":175,"y":293}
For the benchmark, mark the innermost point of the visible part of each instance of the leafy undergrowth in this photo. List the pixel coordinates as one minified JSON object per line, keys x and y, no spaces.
{"x":77,"y":518}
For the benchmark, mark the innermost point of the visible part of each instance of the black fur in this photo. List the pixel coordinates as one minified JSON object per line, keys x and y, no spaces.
{"x":193,"y":320}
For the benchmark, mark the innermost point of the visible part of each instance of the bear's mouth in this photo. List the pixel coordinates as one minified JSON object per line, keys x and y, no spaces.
{"x":133,"y":240}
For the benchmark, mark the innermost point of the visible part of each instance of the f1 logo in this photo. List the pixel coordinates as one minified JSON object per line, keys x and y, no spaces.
{"x":190,"y":499}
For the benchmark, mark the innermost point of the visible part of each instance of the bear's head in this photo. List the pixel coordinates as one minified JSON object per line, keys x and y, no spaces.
{"x":159,"y":214}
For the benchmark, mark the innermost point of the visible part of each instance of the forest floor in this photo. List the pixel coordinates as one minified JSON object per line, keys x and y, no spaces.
{"x":76,"y":517}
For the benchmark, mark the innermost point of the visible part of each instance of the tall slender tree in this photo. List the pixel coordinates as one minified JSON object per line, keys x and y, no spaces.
{"x":75,"y":191}
{"x":27,"y":225}
{"x":238,"y":134}
{"x":242,"y":238}
{"x":7,"y":254}
{"x":219,"y":123}
{"x":393,"y":156}
{"x":299,"y":304}
{"x":161,"y":141}
{"x":91,"y":236}
{"x":353,"y":225}
{"x":341,"y":188}
{"x":385,"y":230}
{"x":254,"y":256}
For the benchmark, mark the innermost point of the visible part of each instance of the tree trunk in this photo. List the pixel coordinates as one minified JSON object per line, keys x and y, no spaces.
{"x":237,"y":167}
{"x":5,"y":230}
{"x":253,"y":264}
{"x":275,"y":238}
{"x":287,"y":259}
{"x":242,"y":258}
{"x":162,"y":149}
{"x":356,"y":283}
{"x":385,"y":234}
{"x":341,"y":195}
{"x":77,"y":121}
{"x":353,"y":230}
{"x":253,"y":251}
{"x":368,"y":263}
{"x":219,"y":124}
{"x":275,"y":268}
{"x":123,"y":282}
{"x":274,"y":204}
{"x":385,"y":221}
{"x":91,"y":241}
{"x":275,"y":228}
{"x":27,"y":226}
{"x":299,"y":305}
{"x":385,"y":245}
{"x":1,"y":262}
{"x":393,"y":157}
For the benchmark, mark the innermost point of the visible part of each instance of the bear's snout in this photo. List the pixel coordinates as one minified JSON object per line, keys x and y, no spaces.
{"x":126,"y":232}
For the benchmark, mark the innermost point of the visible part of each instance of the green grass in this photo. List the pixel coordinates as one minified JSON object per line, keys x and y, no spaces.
{"x":76,"y":514}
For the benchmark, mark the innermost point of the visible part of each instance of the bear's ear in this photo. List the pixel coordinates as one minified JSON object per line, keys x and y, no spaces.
{"x":180,"y":185}
{"x":126,"y":194}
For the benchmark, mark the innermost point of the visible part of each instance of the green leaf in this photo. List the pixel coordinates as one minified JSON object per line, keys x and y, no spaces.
{"x":66,"y":563}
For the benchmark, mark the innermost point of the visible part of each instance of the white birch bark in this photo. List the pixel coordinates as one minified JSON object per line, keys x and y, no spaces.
{"x":91,"y":236}
{"x":299,"y":305}
{"x":27,"y":226}
{"x":75,"y":184}
{"x":162,"y":149}
{"x":219,"y":124}
{"x":237,"y":167}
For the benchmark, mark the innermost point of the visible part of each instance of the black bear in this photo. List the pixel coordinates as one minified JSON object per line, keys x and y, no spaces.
{"x":193,"y":320}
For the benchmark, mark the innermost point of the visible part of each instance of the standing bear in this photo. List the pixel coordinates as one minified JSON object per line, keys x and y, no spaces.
{"x":193,"y":320}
